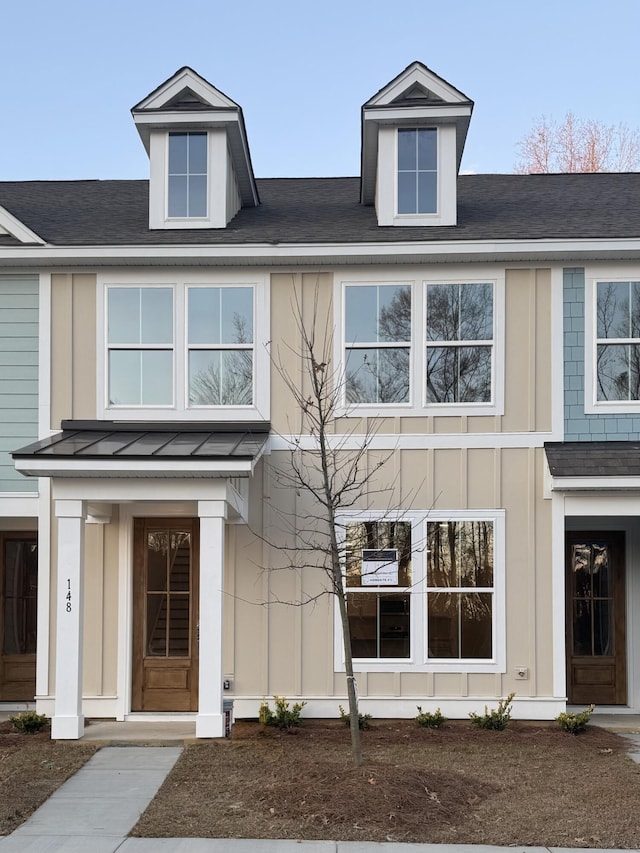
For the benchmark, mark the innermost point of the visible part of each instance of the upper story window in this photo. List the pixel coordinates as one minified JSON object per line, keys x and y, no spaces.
{"x":378,"y":336}
{"x":459,"y":325}
{"x":185,"y":349}
{"x":187,"y":175}
{"x":417,"y":170}
{"x":412,"y":347}
{"x":220,"y":332}
{"x":618,"y":340}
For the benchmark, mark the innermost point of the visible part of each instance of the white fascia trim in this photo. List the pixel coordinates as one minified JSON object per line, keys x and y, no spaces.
{"x":17,"y":229}
{"x":131,"y":468}
{"x":557,"y":354}
{"x":199,"y":119}
{"x":19,"y":505}
{"x":413,"y":441}
{"x":566,"y":484}
{"x":44,"y":350}
{"x":564,"y":251}
{"x":406,"y":115}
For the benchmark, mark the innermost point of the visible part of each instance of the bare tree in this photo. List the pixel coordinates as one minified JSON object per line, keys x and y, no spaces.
{"x":578,"y":145}
{"x":334,"y":477}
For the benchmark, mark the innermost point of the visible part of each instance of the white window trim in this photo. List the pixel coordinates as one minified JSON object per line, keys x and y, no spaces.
{"x":387,"y":184}
{"x":593,"y":406}
{"x":417,"y":405}
{"x":179,"y":411}
{"x":218,"y":165}
{"x":418,"y":660}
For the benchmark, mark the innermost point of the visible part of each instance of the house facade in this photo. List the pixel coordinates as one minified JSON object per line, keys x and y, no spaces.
{"x":483,"y":340}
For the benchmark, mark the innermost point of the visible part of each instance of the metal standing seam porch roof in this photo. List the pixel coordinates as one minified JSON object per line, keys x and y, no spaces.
{"x":164,"y":449}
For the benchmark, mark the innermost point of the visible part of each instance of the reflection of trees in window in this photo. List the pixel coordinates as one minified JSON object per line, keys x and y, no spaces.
{"x":459,"y":323}
{"x":223,"y":377}
{"x":460,"y":560}
{"x":378,"y":334}
{"x":618,"y":323}
{"x":378,"y":535}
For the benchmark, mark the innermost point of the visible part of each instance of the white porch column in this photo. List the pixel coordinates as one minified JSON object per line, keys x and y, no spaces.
{"x":68,"y":722}
{"x":210,"y":719}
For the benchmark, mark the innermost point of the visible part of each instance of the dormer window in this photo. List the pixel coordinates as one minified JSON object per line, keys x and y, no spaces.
{"x":187,"y":185}
{"x":413,"y":134}
{"x":417,"y":170}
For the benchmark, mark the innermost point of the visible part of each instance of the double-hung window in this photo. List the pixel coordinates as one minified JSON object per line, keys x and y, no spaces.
{"x":185,"y":347}
{"x":460,"y":589}
{"x":417,"y":170}
{"x":459,"y":352}
{"x":425,"y":590}
{"x":187,"y":175}
{"x":140,"y":344}
{"x":377,"y":343}
{"x":220,"y":346}
{"x":378,"y":581}
{"x":617,"y":341}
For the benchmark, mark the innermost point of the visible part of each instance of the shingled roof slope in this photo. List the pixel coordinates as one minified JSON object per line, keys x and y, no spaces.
{"x":327,"y":210}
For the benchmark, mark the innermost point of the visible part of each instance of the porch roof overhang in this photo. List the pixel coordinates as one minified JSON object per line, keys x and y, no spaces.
{"x":108,"y":449}
{"x":594,"y":465}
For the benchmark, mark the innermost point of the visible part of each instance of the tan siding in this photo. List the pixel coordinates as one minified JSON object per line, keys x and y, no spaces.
{"x":73,"y":347}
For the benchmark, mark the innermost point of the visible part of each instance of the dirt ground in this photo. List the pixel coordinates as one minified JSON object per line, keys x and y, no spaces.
{"x":531,"y":784}
{"x":31,"y":768}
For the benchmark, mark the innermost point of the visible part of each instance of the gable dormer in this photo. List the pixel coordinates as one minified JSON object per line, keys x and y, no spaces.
{"x":200,"y":167}
{"x":413,"y":135}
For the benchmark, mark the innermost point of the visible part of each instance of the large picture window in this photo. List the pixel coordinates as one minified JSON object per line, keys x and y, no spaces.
{"x":459,"y":331}
{"x":378,"y":581}
{"x":460,"y":589}
{"x":617,"y":341}
{"x":378,"y":343}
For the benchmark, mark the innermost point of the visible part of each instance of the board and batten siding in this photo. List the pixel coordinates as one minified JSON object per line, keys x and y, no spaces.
{"x":18,"y":375}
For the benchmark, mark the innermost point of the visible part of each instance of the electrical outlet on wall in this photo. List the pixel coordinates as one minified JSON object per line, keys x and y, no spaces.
{"x":522,"y":672}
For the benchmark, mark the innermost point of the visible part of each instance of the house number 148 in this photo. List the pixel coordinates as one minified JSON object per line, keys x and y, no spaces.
{"x":68,"y":595}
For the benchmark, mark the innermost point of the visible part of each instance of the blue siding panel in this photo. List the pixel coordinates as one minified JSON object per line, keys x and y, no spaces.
{"x":18,"y":375}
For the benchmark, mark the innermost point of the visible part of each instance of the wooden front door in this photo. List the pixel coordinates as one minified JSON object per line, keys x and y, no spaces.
{"x":596,"y":629}
{"x":165,"y":615}
{"x":18,"y":594}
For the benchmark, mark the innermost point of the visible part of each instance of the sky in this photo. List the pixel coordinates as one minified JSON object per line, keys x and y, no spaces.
{"x":72,"y":70}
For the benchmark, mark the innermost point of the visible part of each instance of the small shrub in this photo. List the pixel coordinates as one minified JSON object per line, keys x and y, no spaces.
{"x":28,"y":722}
{"x":497,"y":719}
{"x":430,"y":719}
{"x":284,"y":717}
{"x":363,"y":719}
{"x":575,"y":723}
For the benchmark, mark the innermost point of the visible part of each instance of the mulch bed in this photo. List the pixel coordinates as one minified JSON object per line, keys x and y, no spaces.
{"x":32,"y":767}
{"x":531,"y":784}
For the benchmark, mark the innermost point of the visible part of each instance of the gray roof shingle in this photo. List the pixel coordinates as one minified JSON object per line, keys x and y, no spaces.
{"x":327,"y":210}
{"x":593,"y":458}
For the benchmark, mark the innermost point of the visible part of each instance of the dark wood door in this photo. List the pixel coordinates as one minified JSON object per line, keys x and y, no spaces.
{"x":165,"y":615}
{"x":596,"y":629}
{"x":18,"y":600}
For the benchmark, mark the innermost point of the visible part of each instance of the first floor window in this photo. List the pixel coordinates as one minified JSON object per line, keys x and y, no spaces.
{"x":378,"y":577}
{"x":460,"y":610}
{"x":618,"y":341}
{"x":425,"y":591}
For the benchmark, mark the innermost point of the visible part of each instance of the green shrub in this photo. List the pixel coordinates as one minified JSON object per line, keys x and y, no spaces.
{"x":575,"y":723}
{"x":430,"y":719}
{"x":283,"y":716}
{"x":28,"y":722}
{"x":363,"y":719}
{"x":497,"y":719}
